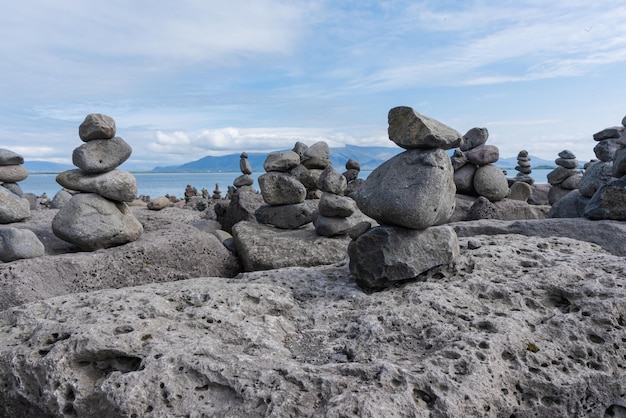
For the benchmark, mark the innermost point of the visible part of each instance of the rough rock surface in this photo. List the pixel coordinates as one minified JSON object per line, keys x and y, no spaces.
{"x":518,"y":327}
{"x":409,"y":129}
{"x":169,"y":249}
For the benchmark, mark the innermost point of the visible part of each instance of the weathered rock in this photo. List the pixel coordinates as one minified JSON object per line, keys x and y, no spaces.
{"x":520,"y":191}
{"x":96,"y":126}
{"x":331,"y":181}
{"x":597,"y":174}
{"x":490,"y":182}
{"x":464,"y":179}
{"x":17,"y":244}
{"x":612,"y":132}
{"x":482,"y":209}
{"x":92,"y":222}
{"x":609,"y":202}
{"x":281,"y":189}
{"x":471,"y":208}
{"x":117,"y":185}
{"x":12,"y":173}
{"x":414,"y":189}
{"x":409,"y":129}
{"x":263,"y":247}
{"x":622,"y":139}
{"x":281,"y":161}
{"x":287,"y":216}
{"x":101,"y":155}
{"x":353,"y":187}
{"x":332,"y":227}
{"x":313,"y":163}
{"x":319,"y":150}
{"x":474,"y":138}
{"x":386,"y":255}
{"x":300,"y":148}
{"x":351,"y":175}
{"x":159,"y":203}
{"x":619,"y":163}
{"x":605,"y":150}
{"x":12,"y":207}
{"x":540,"y":194}
{"x":483,"y":154}
{"x":308,"y":177}
{"x":572,"y":205}
{"x":243,"y":180}
{"x":8,"y":157}
{"x":336,"y":206}
{"x":242,"y":207}
{"x":244,"y":164}
{"x":353,"y":164}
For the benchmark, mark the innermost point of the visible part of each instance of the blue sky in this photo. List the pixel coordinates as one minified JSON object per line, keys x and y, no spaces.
{"x":192,"y":78}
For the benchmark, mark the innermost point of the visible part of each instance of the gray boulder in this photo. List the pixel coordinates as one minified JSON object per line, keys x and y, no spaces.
{"x":12,"y":173}
{"x":281,"y":189}
{"x":336,"y":206}
{"x":414,"y":189}
{"x":520,"y":191}
{"x":92,"y":222}
{"x":409,"y":129}
{"x":60,"y":199}
{"x":116,"y":185}
{"x":17,"y":244}
{"x":595,"y":176}
{"x":559,"y":174}
{"x":281,"y":161}
{"x":490,"y":182}
{"x":12,"y":207}
{"x":96,"y":126}
{"x":8,"y":157}
{"x":386,"y":255}
{"x":243,"y":180}
{"x":482,"y":209}
{"x":287,"y":216}
{"x":474,"y":138}
{"x":159,"y":203}
{"x":14,"y":188}
{"x":101,"y":155}
{"x":609,"y":201}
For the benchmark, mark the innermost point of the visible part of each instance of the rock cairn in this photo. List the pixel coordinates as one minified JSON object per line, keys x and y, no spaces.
{"x":98,"y":217}
{"x":334,"y":208}
{"x":353,"y":168}
{"x":410,"y":196}
{"x":217,"y":193}
{"x":13,"y":206}
{"x":523,"y":168}
{"x":245,"y":179}
{"x":565,"y":177}
{"x":475,"y":174}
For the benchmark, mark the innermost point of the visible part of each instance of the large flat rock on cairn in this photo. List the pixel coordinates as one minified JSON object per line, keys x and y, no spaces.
{"x":522,"y":326}
{"x":169,"y":249}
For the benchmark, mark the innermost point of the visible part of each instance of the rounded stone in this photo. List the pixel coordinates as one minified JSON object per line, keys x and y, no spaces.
{"x":12,"y":207}
{"x":281,"y":161}
{"x":18,"y":244}
{"x":12,"y":173}
{"x":567,"y":162}
{"x":281,"y":189}
{"x":520,"y":191}
{"x":96,"y":126}
{"x":605,"y":150}
{"x":101,"y":155}
{"x":474,"y":138}
{"x":318,"y":150}
{"x":332,"y":181}
{"x":352,"y":164}
{"x":490,"y":182}
{"x":335,"y":206}
{"x":8,"y":157}
{"x":483,"y":154}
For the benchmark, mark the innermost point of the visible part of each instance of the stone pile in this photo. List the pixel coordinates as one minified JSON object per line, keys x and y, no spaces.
{"x":475,"y":173}
{"x":98,"y":217}
{"x":523,"y":168}
{"x":283,"y":192}
{"x":410,"y":196}
{"x":13,"y":206}
{"x":334,"y":208}
{"x":245,"y":179}
{"x":565,"y":177}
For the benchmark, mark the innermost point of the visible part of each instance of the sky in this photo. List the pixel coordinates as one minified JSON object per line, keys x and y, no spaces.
{"x":192,"y":78}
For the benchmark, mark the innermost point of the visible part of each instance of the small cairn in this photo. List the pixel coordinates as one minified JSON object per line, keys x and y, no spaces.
{"x":353,"y":168}
{"x":283,"y":193}
{"x":98,"y":217}
{"x":521,"y":184}
{"x":13,"y":206}
{"x":410,"y":195}
{"x":565,"y":177}
{"x":475,"y":173}
{"x":245,"y":179}
{"x":334,"y":208}
{"x":217,"y":193}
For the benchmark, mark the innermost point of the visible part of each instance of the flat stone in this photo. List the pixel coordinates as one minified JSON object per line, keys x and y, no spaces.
{"x":414,"y":189}
{"x":409,"y":129}
{"x":12,"y":207}
{"x":571,"y":182}
{"x":490,"y":182}
{"x":159,"y":203}
{"x":281,"y":161}
{"x":18,"y":244}
{"x":117,"y":185}
{"x":474,"y":138}
{"x":91,"y":222}
{"x":385,"y":255}
{"x":483,"y":154}
{"x":316,"y":163}
{"x":332,"y":227}
{"x":12,"y":173}
{"x":287,"y":216}
{"x":281,"y":189}
{"x":101,"y":155}
{"x":608,"y":133}
{"x":524,"y":170}
{"x":567,"y":154}
{"x":8,"y":157}
{"x":243,"y":180}
{"x":96,"y":126}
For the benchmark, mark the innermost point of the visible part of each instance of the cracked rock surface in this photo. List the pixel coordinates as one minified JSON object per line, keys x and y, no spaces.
{"x":520,"y":326}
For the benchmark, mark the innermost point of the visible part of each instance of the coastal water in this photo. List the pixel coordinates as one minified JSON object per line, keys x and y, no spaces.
{"x":173,"y":184}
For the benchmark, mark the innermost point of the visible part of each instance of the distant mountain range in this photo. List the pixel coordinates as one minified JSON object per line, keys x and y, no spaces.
{"x":369,"y":157}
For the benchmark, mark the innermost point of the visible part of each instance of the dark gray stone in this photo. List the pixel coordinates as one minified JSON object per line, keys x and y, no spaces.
{"x":332,"y":181}
{"x":8,"y":157}
{"x":287,"y":216}
{"x":572,"y":205}
{"x":17,"y":244}
{"x":474,"y":138}
{"x":490,"y":182}
{"x":409,"y":129}
{"x":608,"y":133}
{"x":483,"y":154}
{"x":609,"y":202}
{"x":281,"y":161}
{"x":464,"y":179}
{"x":595,"y":176}
{"x":605,"y":150}
{"x":12,"y":207}
{"x":281,"y":188}
{"x":101,"y":155}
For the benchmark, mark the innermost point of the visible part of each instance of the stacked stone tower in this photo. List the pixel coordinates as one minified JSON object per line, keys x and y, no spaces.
{"x":13,"y":207}
{"x":565,"y":177}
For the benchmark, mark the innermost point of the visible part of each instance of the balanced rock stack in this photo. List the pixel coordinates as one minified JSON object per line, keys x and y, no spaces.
{"x":283,"y":193}
{"x":565,"y":177}
{"x":353,"y":168}
{"x":245,"y":179}
{"x":334,"y":208}
{"x":523,"y":168}
{"x":13,"y":207}
{"x":98,"y":217}
{"x":609,"y":201}
{"x":409,"y":195}
{"x":475,"y":174}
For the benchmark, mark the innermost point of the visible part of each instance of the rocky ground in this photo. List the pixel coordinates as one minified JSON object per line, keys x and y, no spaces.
{"x":520,"y":326}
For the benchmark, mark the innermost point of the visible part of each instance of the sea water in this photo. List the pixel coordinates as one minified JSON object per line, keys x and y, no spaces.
{"x":174,"y":184}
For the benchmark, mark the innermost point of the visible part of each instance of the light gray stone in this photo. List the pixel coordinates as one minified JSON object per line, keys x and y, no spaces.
{"x":92,"y":222}
{"x":287,"y":216}
{"x":101,"y":155}
{"x":414,"y":189}
{"x":608,"y":202}
{"x":8,"y":157}
{"x":13,"y":188}
{"x":490,"y":182}
{"x":595,"y":176}
{"x":12,"y":207}
{"x":409,"y":129}
{"x":336,"y":206}
{"x":12,"y":173}
{"x":605,"y":150}
{"x":117,"y":185}
{"x":96,"y":126}
{"x":281,"y":161}
{"x":386,"y":255}
{"x":520,"y":191}
{"x":331,"y":181}
{"x":60,"y":199}
{"x":17,"y":244}
{"x":474,"y":138}
{"x":281,"y":189}
{"x":483,"y":154}
{"x":159,"y":203}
